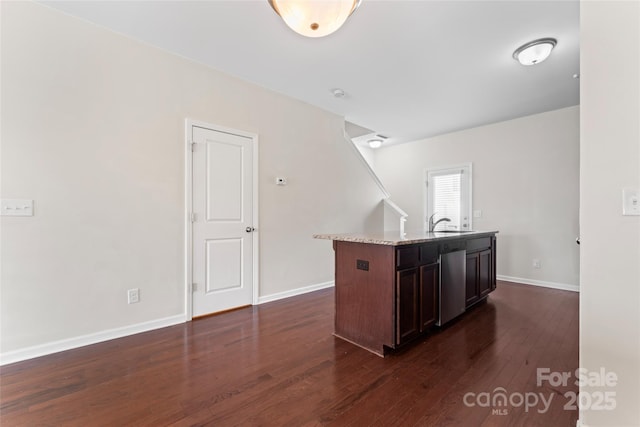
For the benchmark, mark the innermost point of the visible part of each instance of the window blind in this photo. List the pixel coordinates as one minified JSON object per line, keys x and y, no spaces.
{"x":446,"y":199}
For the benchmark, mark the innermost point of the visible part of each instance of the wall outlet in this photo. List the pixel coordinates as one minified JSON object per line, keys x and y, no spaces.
{"x":536,"y":263}
{"x":362,"y":265}
{"x":133,"y":296}
{"x":630,"y":201}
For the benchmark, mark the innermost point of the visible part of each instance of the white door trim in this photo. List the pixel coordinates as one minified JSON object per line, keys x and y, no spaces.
{"x":188,"y":200}
{"x":425,"y":191}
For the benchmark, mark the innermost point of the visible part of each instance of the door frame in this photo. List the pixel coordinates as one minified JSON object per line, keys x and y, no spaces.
{"x":425,"y":191}
{"x":188,"y":204}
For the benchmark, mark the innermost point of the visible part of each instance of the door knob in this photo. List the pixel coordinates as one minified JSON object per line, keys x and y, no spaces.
{"x":249,"y":229}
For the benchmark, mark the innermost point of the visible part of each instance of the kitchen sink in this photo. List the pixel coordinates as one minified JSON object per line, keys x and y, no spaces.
{"x":453,"y":231}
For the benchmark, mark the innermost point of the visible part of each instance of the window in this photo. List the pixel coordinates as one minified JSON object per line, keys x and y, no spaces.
{"x":448,"y":195}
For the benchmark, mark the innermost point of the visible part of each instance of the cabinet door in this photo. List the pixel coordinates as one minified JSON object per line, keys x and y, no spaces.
{"x":407,"y":305}
{"x":472,"y":294}
{"x":429,"y":285}
{"x":485,"y":282}
{"x":494,"y":255}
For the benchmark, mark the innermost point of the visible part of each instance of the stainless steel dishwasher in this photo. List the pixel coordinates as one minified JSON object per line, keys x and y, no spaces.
{"x":453,"y":273}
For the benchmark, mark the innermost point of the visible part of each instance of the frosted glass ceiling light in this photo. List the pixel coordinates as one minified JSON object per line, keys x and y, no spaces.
{"x":534,"y":52}
{"x":375,"y":143}
{"x":314,"y":18}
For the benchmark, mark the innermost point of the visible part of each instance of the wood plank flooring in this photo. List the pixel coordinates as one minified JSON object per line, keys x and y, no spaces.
{"x":278,"y":364}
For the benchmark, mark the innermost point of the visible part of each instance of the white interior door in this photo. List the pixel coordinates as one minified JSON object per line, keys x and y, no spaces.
{"x":223,"y":228}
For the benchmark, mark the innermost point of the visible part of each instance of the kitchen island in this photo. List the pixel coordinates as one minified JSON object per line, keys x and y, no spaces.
{"x":391,"y":289}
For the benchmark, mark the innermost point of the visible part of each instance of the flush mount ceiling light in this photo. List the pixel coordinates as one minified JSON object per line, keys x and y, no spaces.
{"x":375,"y":143}
{"x":338,"y":93}
{"x":314,"y":18}
{"x":534,"y":52}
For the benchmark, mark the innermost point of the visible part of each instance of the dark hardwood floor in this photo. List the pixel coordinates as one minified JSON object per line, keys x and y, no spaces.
{"x":277,"y":364}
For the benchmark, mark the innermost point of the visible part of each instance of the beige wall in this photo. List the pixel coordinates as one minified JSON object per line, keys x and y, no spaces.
{"x":525,"y":182}
{"x":93,"y":131}
{"x":610,"y":161}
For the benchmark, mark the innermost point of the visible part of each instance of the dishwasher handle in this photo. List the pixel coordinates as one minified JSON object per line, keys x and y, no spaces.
{"x":453,"y":246}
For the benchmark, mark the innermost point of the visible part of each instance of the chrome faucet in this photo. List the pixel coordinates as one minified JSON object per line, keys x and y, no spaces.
{"x":432,"y":224}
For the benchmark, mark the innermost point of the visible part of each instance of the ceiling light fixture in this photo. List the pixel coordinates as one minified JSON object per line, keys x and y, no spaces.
{"x":375,"y":143}
{"x":314,"y":18}
{"x":534,"y":52}
{"x":338,"y":93}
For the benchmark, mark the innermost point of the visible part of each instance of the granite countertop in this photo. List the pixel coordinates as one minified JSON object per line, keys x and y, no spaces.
{"x":393,"y":238}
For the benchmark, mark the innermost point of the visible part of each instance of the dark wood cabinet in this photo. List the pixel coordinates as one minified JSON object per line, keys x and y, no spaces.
{"x":416,"y":301}
{"x":429,"y":285}
{"x":484,"y":273}
{"x":472,"y":295}
{"x":387,"y":295}
{"x":407,"y":305}
{"x":480,"y":278}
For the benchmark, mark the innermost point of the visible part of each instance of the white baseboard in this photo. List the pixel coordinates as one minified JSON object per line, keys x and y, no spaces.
{"x":81,"y":341}
{"x":294,"y":292}
{"x":553,"y":285}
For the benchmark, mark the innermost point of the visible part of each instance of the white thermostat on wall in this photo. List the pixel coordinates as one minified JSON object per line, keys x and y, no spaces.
{"x":630,"y":201}
{"x":281,"y":181}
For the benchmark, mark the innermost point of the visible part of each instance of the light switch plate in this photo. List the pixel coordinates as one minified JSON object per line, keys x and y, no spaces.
{"x":16,"y":207}
{"x":630,"y":201}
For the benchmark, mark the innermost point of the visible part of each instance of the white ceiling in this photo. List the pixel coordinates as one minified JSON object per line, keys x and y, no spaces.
{"x":410,"y":69}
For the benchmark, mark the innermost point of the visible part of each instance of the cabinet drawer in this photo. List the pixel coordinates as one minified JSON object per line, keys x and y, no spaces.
{"x":429,"y":254}
{"x":478,"y":244}
{"x":407,"y":257}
